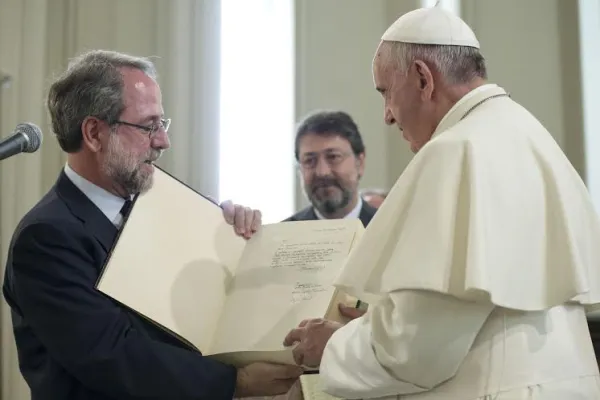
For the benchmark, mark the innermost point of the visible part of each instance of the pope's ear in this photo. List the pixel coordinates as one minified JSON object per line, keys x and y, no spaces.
{"x":425,"y":77}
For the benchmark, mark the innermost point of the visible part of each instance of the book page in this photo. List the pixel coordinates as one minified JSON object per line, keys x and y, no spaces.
{"x":242,"y":358}
{"x":285,"y":275}
{"x":173,"y":260}
{"x":311,"y":388}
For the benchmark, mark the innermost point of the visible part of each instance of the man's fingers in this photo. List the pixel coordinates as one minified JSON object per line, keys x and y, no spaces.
{"x":248,"y":217}
{"x":303,"y":323}
{"x":257,"y":221}
{"x":282,"y":371}
{"x":291,"y":372}
{"x":228,"y":211}
{"x":240,"y":219}
{"x":295,"y":335}
{"x":283,"y":385}
{"x":245,"y":220}
{"x":350,"y":312}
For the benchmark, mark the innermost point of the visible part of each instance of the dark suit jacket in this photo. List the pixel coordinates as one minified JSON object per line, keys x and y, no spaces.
{"x":594,"y":327}
{"x":308,"y":214}
{"x":73,"y":342}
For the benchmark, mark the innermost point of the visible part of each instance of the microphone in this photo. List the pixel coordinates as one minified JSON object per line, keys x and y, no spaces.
{"x":27,"y":138}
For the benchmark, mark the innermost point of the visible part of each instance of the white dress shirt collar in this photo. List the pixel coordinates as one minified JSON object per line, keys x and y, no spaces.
{"x":108,"y":203}
{"x":355,"y":213}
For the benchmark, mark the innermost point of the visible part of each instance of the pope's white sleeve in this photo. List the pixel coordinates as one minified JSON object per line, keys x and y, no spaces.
{"x":411,"y":342}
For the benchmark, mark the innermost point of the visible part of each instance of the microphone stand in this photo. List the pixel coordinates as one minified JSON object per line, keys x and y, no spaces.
{"x":5,"y":81}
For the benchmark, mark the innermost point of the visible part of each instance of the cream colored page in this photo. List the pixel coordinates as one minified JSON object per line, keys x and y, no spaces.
{"x":285,"y":275}
{"x":311,"y":388}
{"x":241,"y":358}
{"x":173,"y":260}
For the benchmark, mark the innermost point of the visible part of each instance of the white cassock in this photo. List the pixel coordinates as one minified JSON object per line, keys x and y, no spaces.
{"x":478,"y":267}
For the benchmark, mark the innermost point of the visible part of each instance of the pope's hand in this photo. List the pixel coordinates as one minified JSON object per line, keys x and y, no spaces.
{"x":245,"y":220}
{"x":312,"y":336}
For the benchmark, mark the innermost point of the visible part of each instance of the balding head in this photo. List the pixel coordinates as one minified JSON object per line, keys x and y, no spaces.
{"x":422,"y":70}
{"x":106,"y":111}
{"x":91,"y":85}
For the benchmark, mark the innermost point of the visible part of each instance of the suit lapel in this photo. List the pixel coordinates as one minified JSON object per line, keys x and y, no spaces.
{"x":366,"y":213}
{"x":95,"y":221}
{"x":308,"y":214}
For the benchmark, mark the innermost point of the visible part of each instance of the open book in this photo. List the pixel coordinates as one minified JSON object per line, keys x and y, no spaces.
{"x":179,"y":264}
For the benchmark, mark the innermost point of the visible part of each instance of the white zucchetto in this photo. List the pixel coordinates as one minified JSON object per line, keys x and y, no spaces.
{"x":432,"y":25}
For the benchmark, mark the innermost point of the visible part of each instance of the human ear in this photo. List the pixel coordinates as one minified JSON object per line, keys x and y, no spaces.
{"x":91,"y":127}
{"x":425,"y":79}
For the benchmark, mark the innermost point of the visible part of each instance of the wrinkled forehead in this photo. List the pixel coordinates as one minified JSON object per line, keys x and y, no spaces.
{"x":380,"y":55}
{"x":382,"y":62}
{"x":137,"y":84}
{"x":141,"y":92}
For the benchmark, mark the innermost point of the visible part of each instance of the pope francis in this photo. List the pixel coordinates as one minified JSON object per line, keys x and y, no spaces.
{"x":481,"y":264}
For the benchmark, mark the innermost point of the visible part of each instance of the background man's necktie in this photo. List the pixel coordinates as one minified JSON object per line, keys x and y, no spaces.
{"x":126,"y":208}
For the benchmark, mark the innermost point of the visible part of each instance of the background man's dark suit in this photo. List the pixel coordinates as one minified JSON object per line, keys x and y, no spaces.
{"x":75,"y":343}
{"x":308,"y":214}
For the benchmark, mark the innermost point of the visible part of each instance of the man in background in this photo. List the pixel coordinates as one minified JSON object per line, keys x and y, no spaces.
{"x":374,"y":197}
{"x":331,"y":156}
{"x":73,"y":342}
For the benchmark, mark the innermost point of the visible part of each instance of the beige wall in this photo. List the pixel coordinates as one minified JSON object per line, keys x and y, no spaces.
{"x":532,"y":48}
{"x":37,"y":37}
{"x":336,"y":41}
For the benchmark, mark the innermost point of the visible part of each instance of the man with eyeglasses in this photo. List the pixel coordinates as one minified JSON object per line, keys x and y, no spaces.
{"x":73,"y":342}
{"x":331,"y":157}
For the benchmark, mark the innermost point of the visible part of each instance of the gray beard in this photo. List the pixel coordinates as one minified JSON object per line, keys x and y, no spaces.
{"x":132,"y":182}
{"x":331,"y":206}
{"x":125,"y":171}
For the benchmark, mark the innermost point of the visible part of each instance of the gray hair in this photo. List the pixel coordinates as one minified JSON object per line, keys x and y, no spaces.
{"x":92,"y":85}
{"x":457,"y":64}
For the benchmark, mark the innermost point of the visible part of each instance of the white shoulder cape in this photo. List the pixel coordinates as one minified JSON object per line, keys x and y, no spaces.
{"x":490,"y":209}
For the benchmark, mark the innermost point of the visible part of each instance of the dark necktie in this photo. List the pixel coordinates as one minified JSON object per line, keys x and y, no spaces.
{"x":126,"y":208}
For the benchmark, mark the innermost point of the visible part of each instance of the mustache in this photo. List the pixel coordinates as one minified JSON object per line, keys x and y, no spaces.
{"x":324,"y":182}
{"x":154,"y":155}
